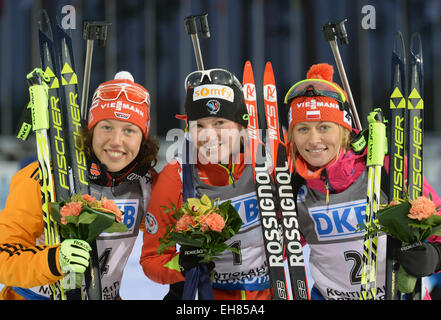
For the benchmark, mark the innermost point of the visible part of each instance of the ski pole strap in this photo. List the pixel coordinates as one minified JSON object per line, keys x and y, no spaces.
{"x":359,"y":141}
{"x":25,"y":125}
{"x":38,"y":91}
{"x":377,"y":144}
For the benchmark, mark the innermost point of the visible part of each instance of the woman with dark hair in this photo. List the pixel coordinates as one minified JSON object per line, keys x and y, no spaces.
{"x":219,"y":166}
{"x":121,"y":155}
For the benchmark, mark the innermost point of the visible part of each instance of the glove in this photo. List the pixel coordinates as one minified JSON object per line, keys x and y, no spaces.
{"x":74,"y":256}
{"x":420,"y":260}
{"x":189,"y":258}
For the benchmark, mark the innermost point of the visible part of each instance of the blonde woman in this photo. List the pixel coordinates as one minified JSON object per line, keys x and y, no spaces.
{"x":331,"y":180}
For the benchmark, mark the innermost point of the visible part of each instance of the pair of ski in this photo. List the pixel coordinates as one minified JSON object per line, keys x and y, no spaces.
{"x":60,"y":144}
{"x":274,"y":190}
{"x":407,"y":116}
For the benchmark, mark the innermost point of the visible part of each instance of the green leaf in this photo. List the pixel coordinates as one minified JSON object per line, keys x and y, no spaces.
{"x":86,"y":218}
{"x":187,"y":241}
{"x":54,"y":210}
{"x":396,"y":221}
{"x":117,"y":227}
{"x":434,"y":220}
{"x":72,"y":219}
{"x":102,"y":221}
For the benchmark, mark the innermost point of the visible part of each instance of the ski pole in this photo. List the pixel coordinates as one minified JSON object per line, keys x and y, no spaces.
{"x":93,"y":30}
{"x":377,"y":148}
{"x":38,"y":105}
{"x":332,"y":31}
{"x":192,"y":30}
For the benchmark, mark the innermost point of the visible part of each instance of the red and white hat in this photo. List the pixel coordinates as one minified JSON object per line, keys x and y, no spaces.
{"x":121,"y":99}
{"x":317,"y":98}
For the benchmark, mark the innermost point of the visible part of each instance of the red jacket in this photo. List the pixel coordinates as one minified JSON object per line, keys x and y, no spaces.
{"x":167,"y":189}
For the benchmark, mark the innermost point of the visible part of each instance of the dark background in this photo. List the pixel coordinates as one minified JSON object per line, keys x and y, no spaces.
{"x":148,"y":38}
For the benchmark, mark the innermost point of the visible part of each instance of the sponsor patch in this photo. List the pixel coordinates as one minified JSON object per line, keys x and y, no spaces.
{"x":339,"y":221}
{"x":151,"y":224}
{"x":213,"y":91}
{"x":248,"y":209}
{"x":95,"y":170}
{"x":213,"y":106}
{"x":121,"y":115}
{"x":347,"y":117}
{"x":313,"y":115}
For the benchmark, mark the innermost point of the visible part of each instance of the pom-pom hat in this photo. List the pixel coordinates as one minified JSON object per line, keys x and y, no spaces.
{"x":317,"y":98}
{"x":121,"y":99}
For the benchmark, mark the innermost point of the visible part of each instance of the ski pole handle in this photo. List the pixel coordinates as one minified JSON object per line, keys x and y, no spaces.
{"x":192,"y":30}
{"x":38,"y":92}
{"x":93,"y":30}
{"x":377,"y":144}
{"x":331,"y":32}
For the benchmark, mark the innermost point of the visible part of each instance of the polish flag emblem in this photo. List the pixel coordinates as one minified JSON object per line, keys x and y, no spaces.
{"x":313,"y":115}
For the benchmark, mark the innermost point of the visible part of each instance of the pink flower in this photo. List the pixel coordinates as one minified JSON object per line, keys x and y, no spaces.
{"x":70,"y":209}
{"x":421,"y":208}
{"x":213,"y":222}
{"x":111,"y":205}
{"x":183,"y":223}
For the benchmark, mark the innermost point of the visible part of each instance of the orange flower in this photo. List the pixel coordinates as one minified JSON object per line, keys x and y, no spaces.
{"x":421,"y":208}
{"x":394,"y":203}
{"x":111,"y":205}
{"x":91,"y":201}
{"x":214,"y":222}
{"x":184,"y":222}
{"x":70,"y":209}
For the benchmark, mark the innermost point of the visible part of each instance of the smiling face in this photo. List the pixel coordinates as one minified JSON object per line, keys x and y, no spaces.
{"x":317,"y":142}
{"x":216,"y":138}
{"x":116,"y":143}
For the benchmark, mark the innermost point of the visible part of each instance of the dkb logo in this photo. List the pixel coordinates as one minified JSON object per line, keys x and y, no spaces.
{"x":339,"y":221}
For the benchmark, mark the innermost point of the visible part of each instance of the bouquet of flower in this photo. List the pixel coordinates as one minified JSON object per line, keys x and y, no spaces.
{"x":411,"y":222}
{"x":83,"y":217}
{"x":202,"y":223}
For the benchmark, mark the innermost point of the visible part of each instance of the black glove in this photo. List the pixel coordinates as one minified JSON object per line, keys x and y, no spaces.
{"x":189,"y":258}
{"x":420,"y":260}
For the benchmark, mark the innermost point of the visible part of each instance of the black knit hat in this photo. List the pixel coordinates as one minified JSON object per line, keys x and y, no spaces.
{"x":215,"y":100}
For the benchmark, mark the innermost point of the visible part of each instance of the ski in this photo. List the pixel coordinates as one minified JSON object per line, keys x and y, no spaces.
{"x":66,"y":143}
{"x":415,"y":109}
{"x":284,"y":190}
{"x":58,"y":145}
{"x":265,"y":191}
{"x":396,"y":134}
{"x":78,"y":163}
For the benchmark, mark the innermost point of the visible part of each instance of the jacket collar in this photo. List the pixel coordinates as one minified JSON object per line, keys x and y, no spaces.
{"x":337,"y":175}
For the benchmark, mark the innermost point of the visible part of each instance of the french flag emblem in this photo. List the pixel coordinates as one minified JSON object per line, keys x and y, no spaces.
{"x":313,"y":115}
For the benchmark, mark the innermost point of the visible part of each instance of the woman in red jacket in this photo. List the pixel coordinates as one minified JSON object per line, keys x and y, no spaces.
{"x":218,"y":166}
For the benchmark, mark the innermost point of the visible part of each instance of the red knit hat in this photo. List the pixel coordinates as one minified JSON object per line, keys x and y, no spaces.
{"x":317,"y":98}
{"x":121,"y":99}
